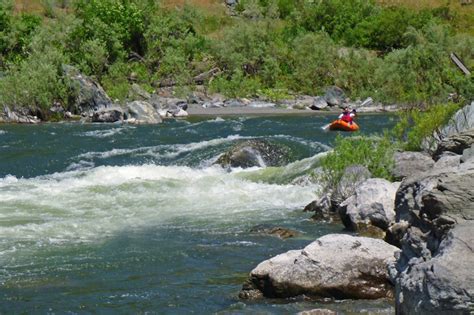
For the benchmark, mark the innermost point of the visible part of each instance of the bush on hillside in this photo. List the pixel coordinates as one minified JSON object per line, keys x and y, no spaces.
{"x":422,"y":72}
{"x":16,"y":32}
{"x":119,"y":25}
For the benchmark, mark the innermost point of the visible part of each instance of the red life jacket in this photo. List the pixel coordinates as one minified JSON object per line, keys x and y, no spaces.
{"x":347,"y":117}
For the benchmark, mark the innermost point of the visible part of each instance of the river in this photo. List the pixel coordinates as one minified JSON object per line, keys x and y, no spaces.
{"x":121,"y":219}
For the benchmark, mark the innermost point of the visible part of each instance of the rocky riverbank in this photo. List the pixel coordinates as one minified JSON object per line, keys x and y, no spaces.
{"x":90,"y":103}
{"x":421,"y":232}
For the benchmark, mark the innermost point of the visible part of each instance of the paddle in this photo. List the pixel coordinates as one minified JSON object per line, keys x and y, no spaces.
{"x":326,"y":127}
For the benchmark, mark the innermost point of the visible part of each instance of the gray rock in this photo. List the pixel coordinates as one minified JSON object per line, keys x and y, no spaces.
{"x":20,"y":116}
{"x":353,"y":176}
{"x":443,"y":284}
{"x":335,"y":265}
{"x":137,"y":93}
{"x":467,"y":154}
{"x":260,"y":104}
{"x":255,"y":152}
{"x":89,"y":96}
{"x":233,"y":103}
{"x":436,"y":210}
{"x":322,"y":208}
{"x":318,"y":311}
{"x":371,"y":205}
{"x":410,"y":163}
{"x":334,"y":96}
{"x":142,"y":112}
{"x":108,"y":115}
{"x":304,"y":101}
{"x":456,"y":143}
{"x":463,"y":120}
{"x":319,"y":103}
{"x":447,"y":160}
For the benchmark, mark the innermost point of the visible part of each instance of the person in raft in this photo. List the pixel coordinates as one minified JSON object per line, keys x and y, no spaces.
{"x":347,"y":116}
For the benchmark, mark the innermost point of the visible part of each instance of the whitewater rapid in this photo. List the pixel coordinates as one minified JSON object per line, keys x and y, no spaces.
{"x":95,"y":204}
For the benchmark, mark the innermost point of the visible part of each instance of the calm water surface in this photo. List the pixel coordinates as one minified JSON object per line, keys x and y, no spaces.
{"x":120,"y":219}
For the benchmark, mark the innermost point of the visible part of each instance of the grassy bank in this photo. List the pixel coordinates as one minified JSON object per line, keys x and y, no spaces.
{"x":272,"y":49}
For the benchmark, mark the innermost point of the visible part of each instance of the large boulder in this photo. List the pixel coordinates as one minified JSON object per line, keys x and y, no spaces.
{"x":255,"y":152}
{"x":456,"y":143}
{"x":437,"y":197}
{"x":141,"y":112}
{"x":409,"y":163}
{"x":334,"y":96}
{"x":319,"y":103}
{"x":371,"y":209}
{"x":443,"y":284}
{"x":336,"y":265}
{"x":435,"y":213}
{"x":89,"y":96}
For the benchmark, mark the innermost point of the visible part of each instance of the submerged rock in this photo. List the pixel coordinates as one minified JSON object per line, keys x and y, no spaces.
{"x":336,"y":265}
{"x":255,"y":152}
{"x":278,"y":231}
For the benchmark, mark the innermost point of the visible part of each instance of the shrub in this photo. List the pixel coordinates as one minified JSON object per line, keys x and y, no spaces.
{"x":313,"y":62}
{"x":416,"y":128}
{"x":118,"y":24}
{"x":172,"y":46}
{"x":35,"y":83}
{"x":238,"y":85}
{"x":422,"y":72}
{"x":375,"y":153}
{"x":16,"y":32}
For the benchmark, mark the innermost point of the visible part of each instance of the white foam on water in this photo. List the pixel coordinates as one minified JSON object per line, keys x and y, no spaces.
{"x":99,"y":203}
{"x":104,"y":133}
{"x":2,"y":132}
{"x":166,"y":151}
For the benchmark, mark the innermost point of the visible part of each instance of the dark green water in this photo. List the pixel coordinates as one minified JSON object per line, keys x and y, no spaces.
{"x":135,"y":219}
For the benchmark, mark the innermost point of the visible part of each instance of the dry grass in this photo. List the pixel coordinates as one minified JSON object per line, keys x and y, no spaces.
{"x":31,"y":6}
{"x":203,"y":4}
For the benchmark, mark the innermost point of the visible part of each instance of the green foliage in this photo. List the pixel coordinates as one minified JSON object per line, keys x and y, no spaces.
{"x":375,"y":153}
{"x":422,"y":72}
{"x":172,"y":47}
{"x":385,"y":29}
{"x":16,"y":32}
{"x":35,"y":83}
{"x":312,"y":61}
{"x":416,"y":127}
{"x":118,"y":24}
{"x":274,"y":49}
{"x":238,"y":85}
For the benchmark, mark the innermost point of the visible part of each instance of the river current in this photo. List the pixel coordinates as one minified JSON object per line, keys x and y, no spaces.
{"x":121,"y":219}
